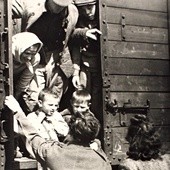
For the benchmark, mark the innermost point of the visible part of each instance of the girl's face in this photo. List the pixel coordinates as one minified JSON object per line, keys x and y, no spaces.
{"x":88,"y":11}
{"x":29,"y":54}
{"x":80,"y":107}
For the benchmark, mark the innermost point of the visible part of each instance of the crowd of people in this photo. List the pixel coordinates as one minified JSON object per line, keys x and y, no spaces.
{"x":57,"y":98}
{"x":57,"y":83}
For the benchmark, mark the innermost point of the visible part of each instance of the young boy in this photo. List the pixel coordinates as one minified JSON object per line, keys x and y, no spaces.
{"x":86,"y":54}
{"x":75,"y":155}
{"x":47,"y":120}
{"x":80,"y":103}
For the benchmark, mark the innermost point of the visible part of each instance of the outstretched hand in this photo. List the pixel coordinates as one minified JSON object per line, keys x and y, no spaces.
{"x":12,"y":104}
{"x":92,"y":33}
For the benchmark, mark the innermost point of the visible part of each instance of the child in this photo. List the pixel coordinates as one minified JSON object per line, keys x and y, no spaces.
{"x":86,"y":54}
{"x":76,"y":155}
{"x":80,"y":102}
{"x":47,"y":120}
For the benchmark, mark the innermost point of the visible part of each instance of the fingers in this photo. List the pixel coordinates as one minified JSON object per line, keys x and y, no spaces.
{"x":98,"y":31}
{"x":91,"y":33}
{"x":8,"y":99}
{"x":76,"y":81}
{"x":92,"y":36}
{"x":95,"y":30}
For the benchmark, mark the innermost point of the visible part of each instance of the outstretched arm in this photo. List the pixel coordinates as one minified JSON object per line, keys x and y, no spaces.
{"x":28,"y":130}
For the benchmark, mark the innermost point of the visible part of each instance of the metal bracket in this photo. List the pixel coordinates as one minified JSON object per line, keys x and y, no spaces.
{"x":3,"y":35}
{"x":123,"y":24}
{"x":4,"y":138}
{"x":127,"y":107}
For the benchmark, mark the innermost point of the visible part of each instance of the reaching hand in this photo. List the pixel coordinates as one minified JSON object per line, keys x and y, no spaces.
{"x":92,"y":33}
{"x":12,"y":104}
{"x":76,"y":81}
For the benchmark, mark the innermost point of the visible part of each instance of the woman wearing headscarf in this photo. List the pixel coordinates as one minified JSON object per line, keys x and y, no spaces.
{"x":25,"y":48}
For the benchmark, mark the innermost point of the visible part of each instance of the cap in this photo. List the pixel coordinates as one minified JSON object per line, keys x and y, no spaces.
{"x":84,"y":2}
{"x":63,"y":3}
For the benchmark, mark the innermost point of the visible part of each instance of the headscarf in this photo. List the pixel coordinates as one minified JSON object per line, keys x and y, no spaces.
{"x":22,"y":41}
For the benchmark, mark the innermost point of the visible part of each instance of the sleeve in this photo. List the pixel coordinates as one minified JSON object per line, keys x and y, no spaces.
{"x":39,"y":145}
{"x":17,"y":8}
{"x":23,"y":82}
{"x":66,"y":114}
{"x":80,"y":33}
{"x":60,"y":125}
{"x":75,"y":52}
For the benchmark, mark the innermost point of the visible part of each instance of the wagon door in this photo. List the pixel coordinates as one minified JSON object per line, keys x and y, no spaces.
{"x":6,"y":86}
{"x":135,"y":69}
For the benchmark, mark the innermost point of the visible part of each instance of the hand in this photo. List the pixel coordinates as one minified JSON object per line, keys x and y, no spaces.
{"x":92,"y":33}
{"x":76,"y":81}
{"x":12,"y":104}
{"x":94,"y":146}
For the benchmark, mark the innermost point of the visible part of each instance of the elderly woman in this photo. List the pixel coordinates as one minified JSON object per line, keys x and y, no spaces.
{"x":25,"y":48}
{"x":145,"y":147}
{"x":76,"y":154}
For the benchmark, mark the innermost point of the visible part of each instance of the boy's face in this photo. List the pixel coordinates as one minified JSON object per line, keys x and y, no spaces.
{"x":49,"y":105}
{"x":80,"y":107}
{"x":88,"y":11}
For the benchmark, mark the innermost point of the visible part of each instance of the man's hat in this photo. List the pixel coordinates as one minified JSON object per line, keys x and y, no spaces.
{"x":63,"y":3}
{"x":84,"y":2}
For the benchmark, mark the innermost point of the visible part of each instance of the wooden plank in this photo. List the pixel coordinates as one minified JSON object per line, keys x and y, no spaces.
{"x":119,"y":134}
{"x":155,"y":5}
{"x":137,"y":17}
{"x":157,"y":100}
{"x":25,"y":163}
{"x":140,"y":83}
{"x":164,"y":133}
{"x":138,"y":34}
{"x":137,"y":50}
{"x":168,"y":7}
{"x":160,"y":117}
{"x":138,"y":67}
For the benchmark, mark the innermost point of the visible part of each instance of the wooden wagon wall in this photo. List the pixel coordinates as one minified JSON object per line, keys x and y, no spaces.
{"x":135,"y":67}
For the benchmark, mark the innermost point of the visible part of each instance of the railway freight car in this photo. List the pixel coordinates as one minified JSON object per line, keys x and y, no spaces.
{"x":135,"y":68}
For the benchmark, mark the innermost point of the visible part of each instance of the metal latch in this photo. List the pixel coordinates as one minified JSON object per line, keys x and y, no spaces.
{"x":127,"y":107}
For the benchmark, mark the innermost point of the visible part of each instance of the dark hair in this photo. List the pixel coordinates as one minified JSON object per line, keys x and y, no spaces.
{"x":143,"y":138}
{"x":44,"y":92}
{"x":84,"y":127}
{"x":81,"y":95}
